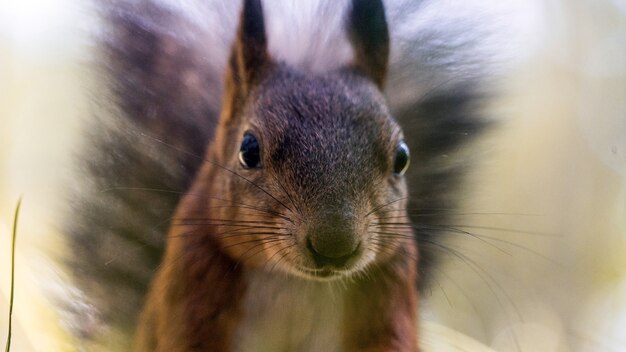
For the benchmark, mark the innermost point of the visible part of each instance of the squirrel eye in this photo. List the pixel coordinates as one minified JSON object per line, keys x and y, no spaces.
{"x":249,"y":153}
{"x":402,"y":159}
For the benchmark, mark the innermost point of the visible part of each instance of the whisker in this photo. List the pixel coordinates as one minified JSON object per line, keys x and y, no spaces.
{"x":201,"y":196}
{"x":216,"y":221}
{"x":445,"y":294}
{"x":477,"y":269}
{"x":392,"y":234}
{"x":295,"y":205}
{"x":217,"y":165}
{"x":472,"y":264}
{"x":264,"y":212}
{"x":274,"y":243}
{"x":421,"y":209}
{"x":225,"y":234}
{"x":385,"y":205}
{"x":173,"y":224}
{"x":385,"y":248}
{"x":241,"y":228}
{"x":205,"y":225}
{"x":421,"y":214}
{"x":197,"y":231}
{"x":485,"y":239}
{"x":455,"y":212}
{"x":517,"y":245}
{"x":478,"y":237}
{"x":237,"y":231}
{"x":264,"y":239}
{"x":458,"y":227}
{"x":281,"y":257}
{"x":504,"y":229}
{"x":458,"y":287}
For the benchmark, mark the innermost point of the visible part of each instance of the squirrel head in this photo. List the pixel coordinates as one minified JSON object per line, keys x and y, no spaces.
{"x":316,"y":161}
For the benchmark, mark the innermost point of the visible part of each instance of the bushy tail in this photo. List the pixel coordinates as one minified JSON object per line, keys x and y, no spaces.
{"x":154,"y":115}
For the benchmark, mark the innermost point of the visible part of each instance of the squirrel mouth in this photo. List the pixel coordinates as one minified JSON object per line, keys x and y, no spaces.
{"x":323,"y":273}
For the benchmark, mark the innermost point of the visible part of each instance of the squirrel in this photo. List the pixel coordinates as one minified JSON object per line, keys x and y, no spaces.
{"x":302,"y":174}
{"x":276,"y":218}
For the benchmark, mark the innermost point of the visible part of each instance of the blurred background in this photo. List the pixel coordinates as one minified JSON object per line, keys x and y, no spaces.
{"x":545,"y":266}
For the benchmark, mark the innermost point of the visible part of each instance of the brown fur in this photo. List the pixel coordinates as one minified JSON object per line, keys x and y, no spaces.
{"x":193,"y":304}
{"x":388,"y":323}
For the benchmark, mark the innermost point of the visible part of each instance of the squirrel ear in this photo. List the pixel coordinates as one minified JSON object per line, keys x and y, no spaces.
{"x":367,"y":29}
{"x":249,"y":56}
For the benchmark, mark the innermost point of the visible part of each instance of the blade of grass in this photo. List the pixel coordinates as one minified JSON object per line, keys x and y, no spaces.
{"x":16,"y":216}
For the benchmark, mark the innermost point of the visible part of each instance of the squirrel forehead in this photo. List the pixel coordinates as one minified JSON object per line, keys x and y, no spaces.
{"x":336,"y":105}
{"x":324,"y":125}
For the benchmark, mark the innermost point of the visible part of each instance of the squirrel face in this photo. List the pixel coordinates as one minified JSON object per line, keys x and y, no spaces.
{"x":314,"y":160}
{"x":325,"y":148}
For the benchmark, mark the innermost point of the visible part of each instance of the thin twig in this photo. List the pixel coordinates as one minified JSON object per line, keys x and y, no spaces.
{"x":17,"y":213}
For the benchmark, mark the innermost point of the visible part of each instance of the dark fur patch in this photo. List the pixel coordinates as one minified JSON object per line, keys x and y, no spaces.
{"x":370,"y":37}
{"x":435,"y":128}
{"x":161,"y":89}
{"x":251,"y":46}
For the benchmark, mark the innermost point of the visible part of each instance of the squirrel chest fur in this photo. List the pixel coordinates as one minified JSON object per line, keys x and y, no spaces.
{"x":285,"y":241}
{"x":281,"y":313}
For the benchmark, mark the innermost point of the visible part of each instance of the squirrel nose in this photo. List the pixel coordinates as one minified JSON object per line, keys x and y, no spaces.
{"x":332,"y":244}
{"x":322,"y":260}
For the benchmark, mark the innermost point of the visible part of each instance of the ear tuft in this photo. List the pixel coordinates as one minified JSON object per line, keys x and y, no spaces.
{"x":367,"y":27}
{"x":250,"y":56}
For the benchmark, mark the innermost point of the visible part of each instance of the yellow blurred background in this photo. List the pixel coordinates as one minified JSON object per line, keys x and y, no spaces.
{"x":548,"y":193}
